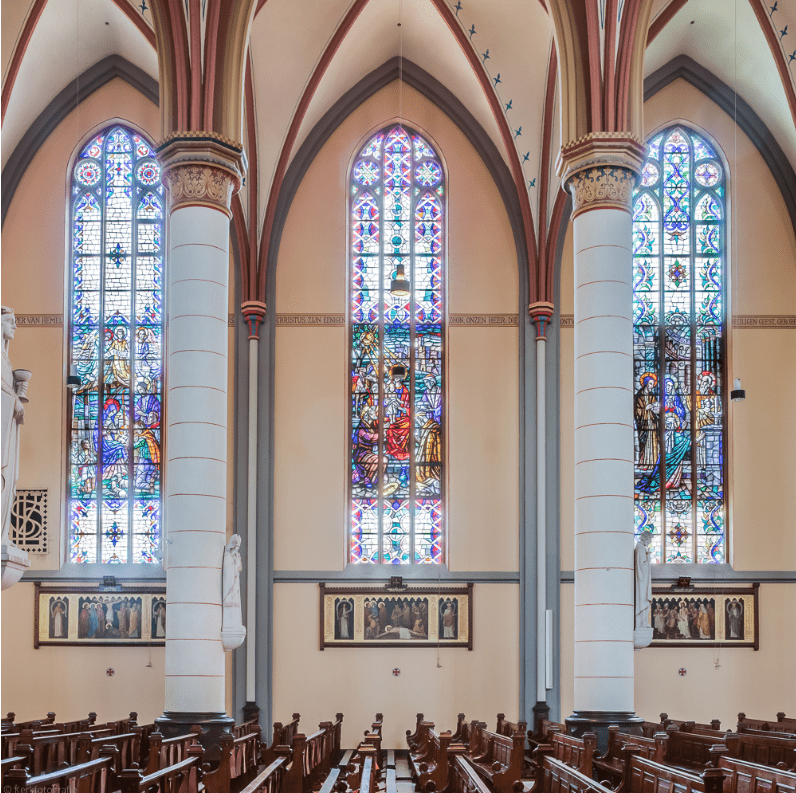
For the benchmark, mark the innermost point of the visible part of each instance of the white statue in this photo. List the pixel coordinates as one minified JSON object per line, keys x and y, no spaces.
{"x":232,"y":631}
{"x":643,"y":591}
{"x":15,"y":386}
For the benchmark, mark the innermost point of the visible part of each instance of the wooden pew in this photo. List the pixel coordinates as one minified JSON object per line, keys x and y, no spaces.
{"x":244,"y":729}
{"x":270,"y":780}
{"x":762,"y":749}
{"x":462,"y":777}
{"x":609,"y":768}
{"x":128,"y":745}
{"x":714,"y":724}
{"x":641,"y":775}
{"x":361,"y":773}
{"x":165,"y":752}
{"x":282,"y":736}
{"x":502,"y":765}
{"x":337,"y":727}
{"x":743,"y":777}
{"x":505,"y":727}
{"x":429,"y":764}
{"x":557,"y":777}
{"x":689,"y":750}
{"x":51,"y":750}
{"x":576,"y":752}
{"x":95,"y":776}
{"x":311,"y":760}
{"x":413,"y":737}
{"x":181,"y":777}
{"x":782,"y":724}
{"x":544,"y":729}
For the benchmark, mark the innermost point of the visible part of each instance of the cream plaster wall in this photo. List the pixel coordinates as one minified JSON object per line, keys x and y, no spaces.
{"x":720,"y":682}
{"x":311,"y":456}
{"x":360,"y":683}
{"x":311,"y":451}
{"x":34,"y":252}
{"x":762,"y":439}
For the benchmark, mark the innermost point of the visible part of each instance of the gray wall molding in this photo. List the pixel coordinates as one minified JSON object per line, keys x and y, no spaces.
{"x":708,"y":574}
{"x":64,"y":103}
{"x":414,"y":575}
{"x":748,"y":121}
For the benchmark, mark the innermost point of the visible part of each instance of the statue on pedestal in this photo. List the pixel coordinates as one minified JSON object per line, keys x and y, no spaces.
{"x":642,"y":633}
{"x":232,"y":631}
{"x":15,"y":386}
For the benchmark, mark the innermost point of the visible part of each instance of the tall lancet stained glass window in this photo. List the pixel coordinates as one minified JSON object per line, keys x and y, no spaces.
{"x":679,"y":348}
{"x":397,"y":315}
{"x":116,"y":349}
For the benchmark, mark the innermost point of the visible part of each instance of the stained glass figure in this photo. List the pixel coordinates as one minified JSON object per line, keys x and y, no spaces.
{"x":115,"y":347}
{"x":396,"y":353}
{"x":679,"y":349}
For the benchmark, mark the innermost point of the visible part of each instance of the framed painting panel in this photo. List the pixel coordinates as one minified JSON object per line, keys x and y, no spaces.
{"x":705,"y":617}
{"x":99,"y":616}
{"x":404,"y":617}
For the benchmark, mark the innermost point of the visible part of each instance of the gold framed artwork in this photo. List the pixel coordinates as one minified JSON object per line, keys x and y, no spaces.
{"x":705,"y":617}
{"x":98,"y":616}
{"x":401,"y":617}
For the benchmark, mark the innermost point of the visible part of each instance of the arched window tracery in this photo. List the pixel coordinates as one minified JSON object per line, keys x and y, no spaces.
{"x":679,"y":348}
{"x":116,"y":350}
{"x":397,"y":315}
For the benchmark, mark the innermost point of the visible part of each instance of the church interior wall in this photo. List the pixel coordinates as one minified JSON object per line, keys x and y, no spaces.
{"x":35,"y":240}
{"x":311,"y":453}
{"x":719,"y":682}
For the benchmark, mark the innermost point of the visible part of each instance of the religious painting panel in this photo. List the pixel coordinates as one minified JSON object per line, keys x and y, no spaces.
{"x":705,"y":617}
{"x":403,"y":617}
{"x":101,"y":616}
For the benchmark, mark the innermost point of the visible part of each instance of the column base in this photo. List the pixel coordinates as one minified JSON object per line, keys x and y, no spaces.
{"x":598,"y":722}
{"x":541,"y":710}
{"x":173,"y":723}
{"x":250,"y":711}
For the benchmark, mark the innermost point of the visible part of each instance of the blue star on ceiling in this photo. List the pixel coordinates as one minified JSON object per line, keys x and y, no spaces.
{"x":457,"y":8}
{"x":517,"y":132}
{"x":496,"y":80}
{"x":485,"y":56}
{"x":783,"y":33}
{"x":143,"y":6}
{"x":532,"y":183}
{"x":471,"y":31}
{"x":526,"y":156}
{"x":508,"y":106}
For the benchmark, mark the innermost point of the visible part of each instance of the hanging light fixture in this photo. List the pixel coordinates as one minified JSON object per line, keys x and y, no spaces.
{"x":400,"y":285}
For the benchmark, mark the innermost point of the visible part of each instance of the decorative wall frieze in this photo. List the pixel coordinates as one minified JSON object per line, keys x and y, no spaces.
{"x":311,"y":320}
{"x":739,"y":321}
{"x":39,"y":320}
{"x":765,"y":321}
{"x":483,"y":320}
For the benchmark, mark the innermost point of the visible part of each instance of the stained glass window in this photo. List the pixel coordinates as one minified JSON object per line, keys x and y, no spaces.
{"x":397,"y":315}
{"x":116,"y":349}
{"x":679,"y":348}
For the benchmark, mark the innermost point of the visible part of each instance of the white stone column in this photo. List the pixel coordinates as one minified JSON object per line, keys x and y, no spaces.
{"x":200,"y":177}
{"x":601,"y":180}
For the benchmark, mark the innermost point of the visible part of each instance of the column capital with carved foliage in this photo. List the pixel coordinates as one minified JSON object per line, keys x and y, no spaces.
{"x":541,"y":314}
{"x":601,"y":169}
{"x":201,"y":169}
{"x":254,"y":313}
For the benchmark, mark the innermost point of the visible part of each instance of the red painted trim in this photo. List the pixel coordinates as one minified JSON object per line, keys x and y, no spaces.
{"x":609,"y":109}
{"x":595,"y":67}
{"x":260,"y":4}
{"x":137,"y":20}
{"x":239,"y":225}
{"x":19,"y":52}
{"x":627,"y":37}
{"x":663,"y":19}
{"x":776,"y":50}
{"x":298,"y":117}
{"x":196,"y":64}
{"x":542,"y":275}
{"x":556,"y":218}
{"x":508,"y":141}
{"x":211,"y":44}
{"x":249,"y":283}
{"x":179,"y":40}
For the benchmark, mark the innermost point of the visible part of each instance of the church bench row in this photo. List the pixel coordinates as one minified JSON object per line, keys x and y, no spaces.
{"x":743,"y":777}
{"x":282,"y":736}
{"x":782,"y":724}
{"x":428,"y":760}
{"x":609,"y":767}
{"x":646,"y":776}
{"x":95,"y":776}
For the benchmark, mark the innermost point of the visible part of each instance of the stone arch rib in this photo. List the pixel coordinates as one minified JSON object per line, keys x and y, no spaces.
{"x":91,"y":80}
